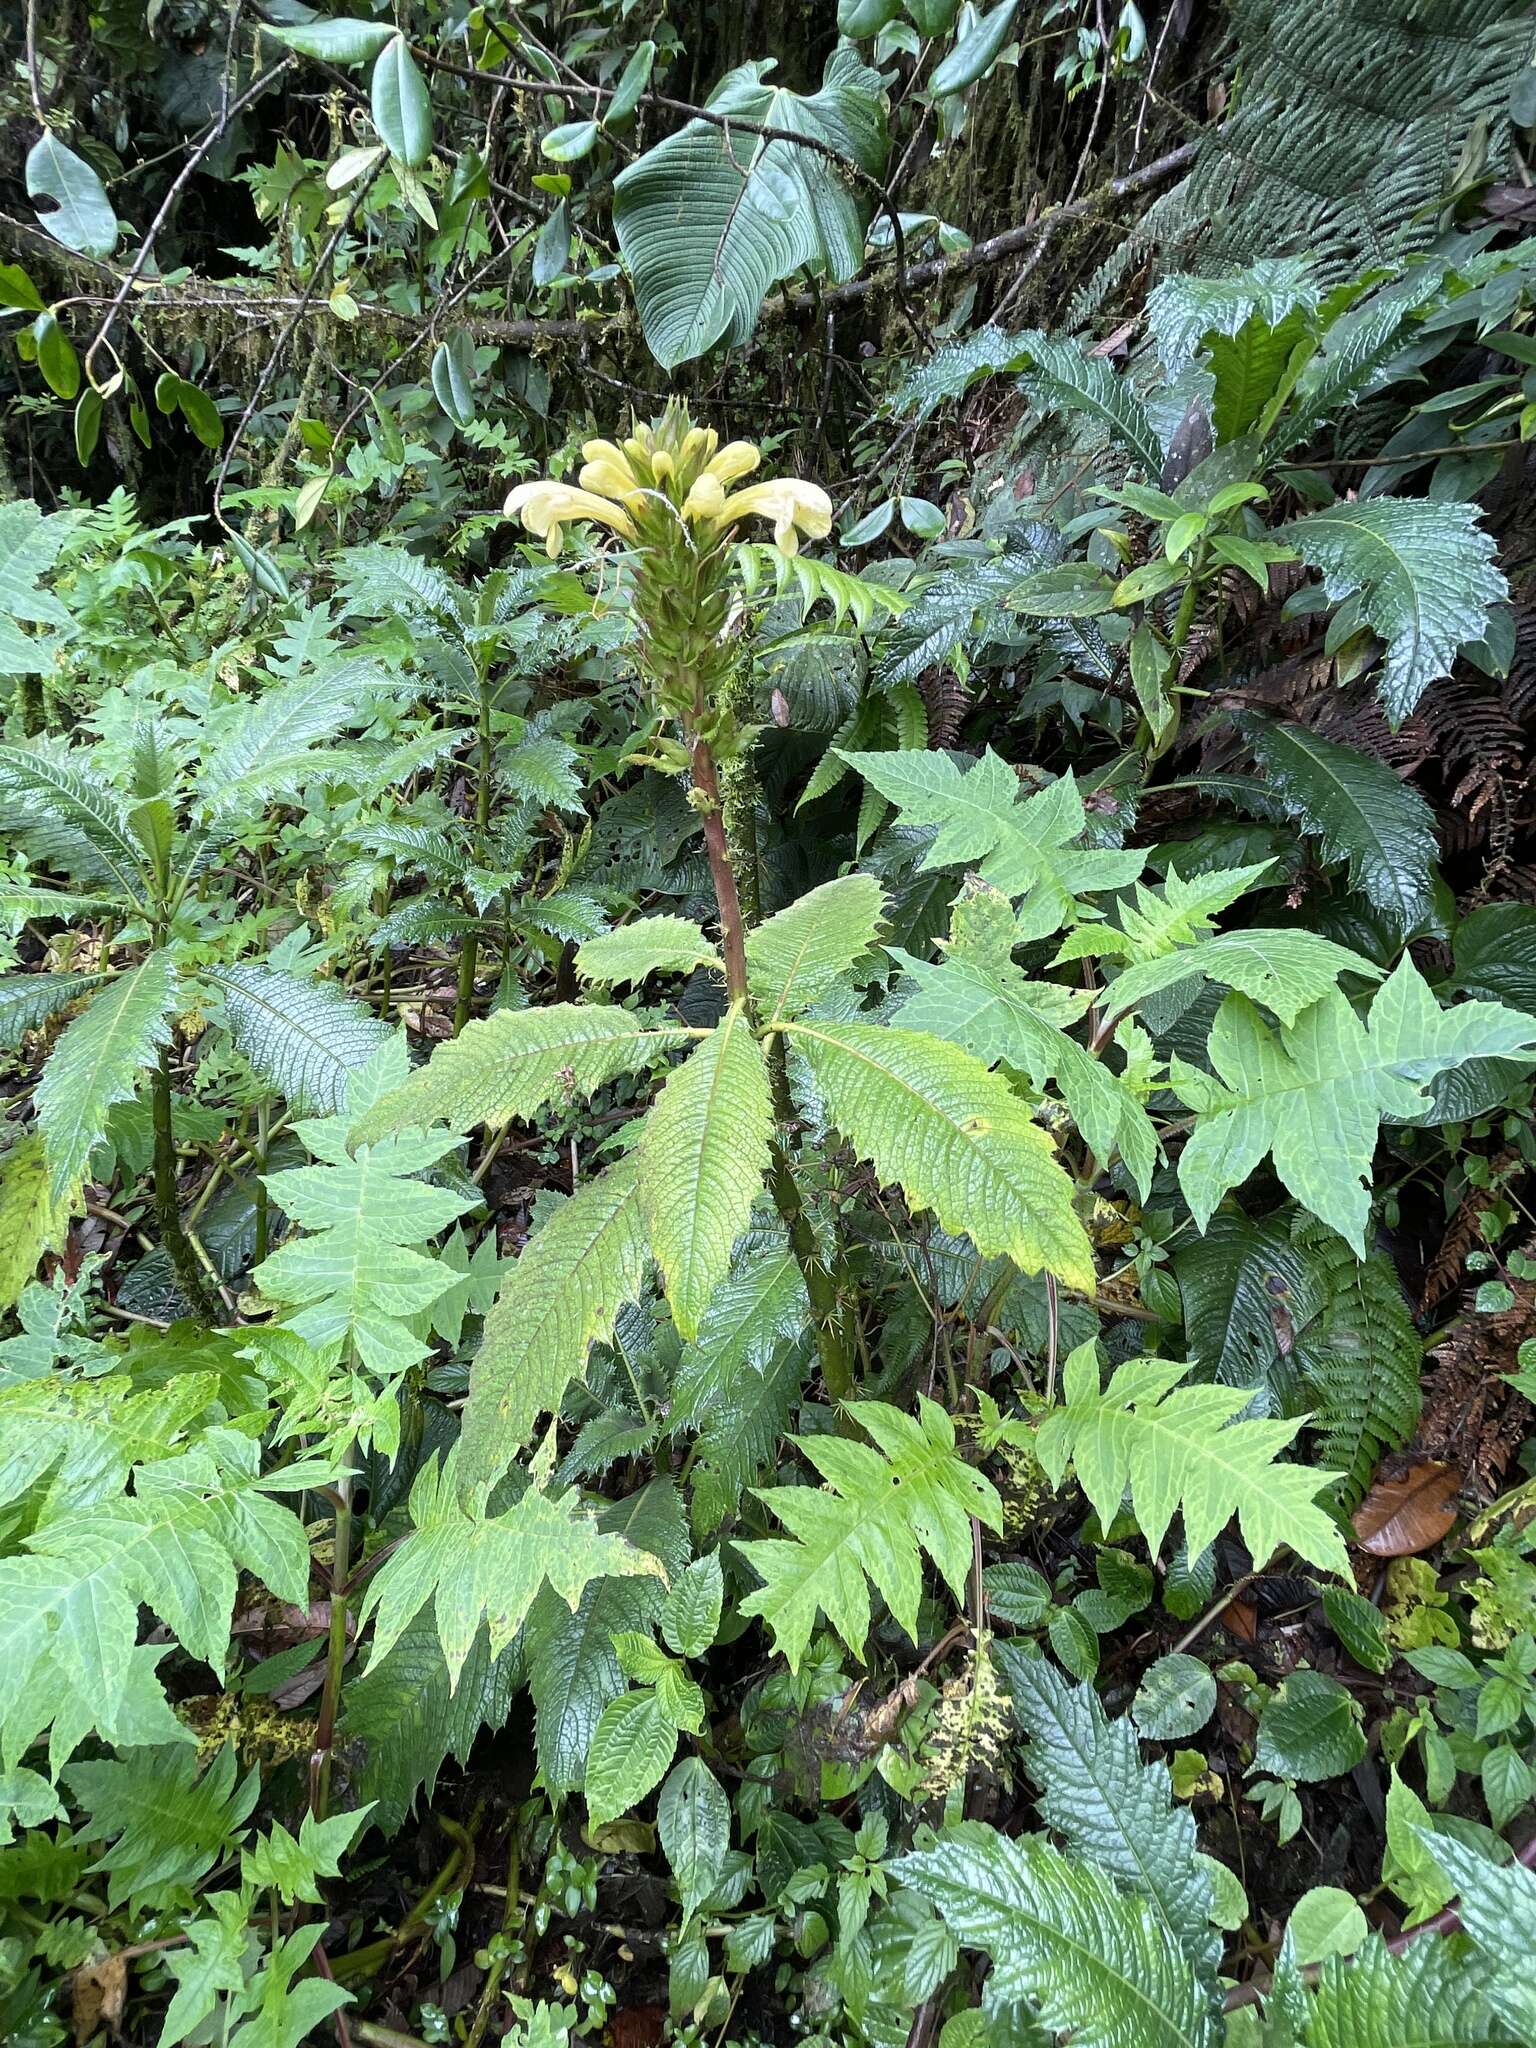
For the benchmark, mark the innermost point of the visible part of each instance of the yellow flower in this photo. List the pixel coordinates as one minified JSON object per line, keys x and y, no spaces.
{"x":794,"y":508}
{"x":545,"y":507}
{"x":736,"y":458}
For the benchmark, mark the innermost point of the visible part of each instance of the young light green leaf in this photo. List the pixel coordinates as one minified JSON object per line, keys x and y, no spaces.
{"x":1179,"y":1449}
{"x":797,"y":955}
{"x":1314,"y":1096}
{"x":561,"y":1296}
{"x":954,"y":1138}
{"x":702,"y":1157}
{"x":650,"y":945}
{"x":908,"y":1492}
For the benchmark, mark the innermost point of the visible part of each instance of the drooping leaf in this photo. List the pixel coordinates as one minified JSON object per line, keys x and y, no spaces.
{"x":1286,"y":970}
{"x":1360,"y":1357}
{"x":65,"y":813}
{"x":31,"y":1221}
{"x":1060,"y":377}
{"x":1427,"y":1997}
{"x":302,"y":1038}
{"x":702,"y":1157}
{"x":166,"y":1821}
{"x":1313,"y":1097}
{"x":1496,"y":1904}
{"x":561,"y":1296}
{"x":954,"y":1138}
{"x":907,"y":1493}
{"x":710,"y":219}
{"x":1408,"y":1511}
{"x":27,"y":1001}
{"x":1357,"y":810}
{"x":1179,"y":1449}
{"x":402,"y":106}
{"x":1421,"y":572}
{"x":650,"y":945}
{"x":1095,"y":1963}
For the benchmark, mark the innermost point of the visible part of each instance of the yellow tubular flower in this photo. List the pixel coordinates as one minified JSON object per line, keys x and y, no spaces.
{"x":794,"y":508}
{"x":736,"y":458}
{"x":705,"y":499}
{"x":610,"y":479}
{"x":545,"y":507}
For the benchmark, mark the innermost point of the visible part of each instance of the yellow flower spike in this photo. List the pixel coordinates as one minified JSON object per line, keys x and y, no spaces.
{"x":793,"y":506}
{"x":736,"y":458}
{"x":662,"y":466}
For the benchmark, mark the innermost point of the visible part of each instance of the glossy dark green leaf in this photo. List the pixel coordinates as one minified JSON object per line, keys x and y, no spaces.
{"x":402,"y":106}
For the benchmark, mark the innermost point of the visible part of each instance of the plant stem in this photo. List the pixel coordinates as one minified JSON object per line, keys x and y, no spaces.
{"x":263,"y":1207}
{"x":190,"y":1277}
{"x":335,"y":1654}
{"x":469,"y":953}
{"x":830,"y":1317}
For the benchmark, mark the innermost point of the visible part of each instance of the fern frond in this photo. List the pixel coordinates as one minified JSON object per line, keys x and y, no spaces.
{"x":849,"y":597}
{"x":907,"y":1493}
{"x":269,"y":745}
{"x":1092,"y":1962}
{"x":98,"y":1062}
{"x":563,"y":1294}
{"x":1178,"y":1449}
{"x":1059,"y":377}
{"x":702,"y":1157}
{"x":954,"y":1138}
{"x":513,"y":1063}
{"x":1360,"y":1356}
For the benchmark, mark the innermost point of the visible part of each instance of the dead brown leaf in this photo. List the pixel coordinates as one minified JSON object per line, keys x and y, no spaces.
{"x":98,"y":1993}
{"x":1409,"y":1511}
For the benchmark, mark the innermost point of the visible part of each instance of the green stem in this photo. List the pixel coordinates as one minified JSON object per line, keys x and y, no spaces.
{"x":469,"y":954}
{"x":335,"y":1654}
{"x":190,"y":1277}
{"x":263,"y":1207}
{"x":830,"y":1316}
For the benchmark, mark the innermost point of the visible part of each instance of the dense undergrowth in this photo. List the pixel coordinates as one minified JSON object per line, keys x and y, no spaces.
{"x":767,"y":1226}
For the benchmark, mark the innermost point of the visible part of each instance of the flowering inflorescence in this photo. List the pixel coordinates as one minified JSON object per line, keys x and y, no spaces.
{"x":676,"y":497}
{"x":666,"y":476}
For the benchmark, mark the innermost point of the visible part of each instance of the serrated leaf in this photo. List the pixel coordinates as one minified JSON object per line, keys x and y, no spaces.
{"x":166,"y":1822}
{"x":1421,"y":572}
{"x":634,"y":1741}
{"x":65,"y":813}
{"x":702,"y":1156}
{"x":356,"y":1274}
{"x":302,"y":1038}
{"x":1496,"y":1904}
{"x":403,"y":1710}
{"x":1286,"y":969}
{"x":1313,"y":1097}
{"x":1179,"y":1449}
{"x":954,"y":1138}
{"x":27,"y":1001}
{"x":907,"y":1493}
{"x":31,"y":1220}
{"x":1022,"y":845}
{"x":650,"y":945}
{"x":1358,"y":810}
{"x":1427,"y":1997}
{"x":1092,"y":1962}
{"x":98,"y":1062}
{"x":1113,"y":1810}
{"x":1310,"y":1730}
{"x":515,"y":1062}
{"x":1060,"y":377}
{"x":998,"y":1014}
{"x":693,"y":1819}
{"x":478,"y":1568}
{"x":799,"y":953}
{"x":562,"y":1295}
